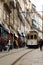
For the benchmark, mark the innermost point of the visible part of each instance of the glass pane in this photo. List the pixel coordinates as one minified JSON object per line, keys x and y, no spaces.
{"x":35,"y":36}
{"x":28,"y":36}
{"x":31,"y":37}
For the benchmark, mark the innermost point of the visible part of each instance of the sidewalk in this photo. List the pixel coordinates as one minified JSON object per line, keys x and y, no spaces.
{"x":8,"y":60}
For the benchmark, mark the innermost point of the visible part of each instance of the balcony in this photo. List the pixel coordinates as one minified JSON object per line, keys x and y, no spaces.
{"x":28,"y":18}
{"x":12,"y":4}
{"x":33,"y":7}
{"x":34,"y":23}
{"x":21,"y":18}
{"x":2,"y":0}
{"x":18,"y":6}
{"x":7,"y":8}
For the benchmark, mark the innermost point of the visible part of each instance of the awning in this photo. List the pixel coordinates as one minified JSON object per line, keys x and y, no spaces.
{"x":23,"y":34}
{"x":19,"y":33}
{"x":12,"y":4}
{"x":16,"y":35}
{"x":3,"y":28}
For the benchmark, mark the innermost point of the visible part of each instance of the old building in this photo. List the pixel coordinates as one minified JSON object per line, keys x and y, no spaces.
{"x":18,"y":15}
{"x":36,"y":21}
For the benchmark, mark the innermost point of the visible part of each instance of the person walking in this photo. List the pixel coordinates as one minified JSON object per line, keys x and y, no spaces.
{"x":41,"y":44}
{"x":9,"y":44}
{"x":16,"y":43}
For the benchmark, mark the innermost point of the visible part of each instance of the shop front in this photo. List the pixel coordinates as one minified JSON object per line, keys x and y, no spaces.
{"x":3,"y":37}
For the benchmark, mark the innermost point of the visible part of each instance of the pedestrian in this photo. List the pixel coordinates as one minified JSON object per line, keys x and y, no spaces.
{"x":19,"y":41}
{"x":41,"y":44}
{"x":9,"y":44}
{"x":16,"y":43}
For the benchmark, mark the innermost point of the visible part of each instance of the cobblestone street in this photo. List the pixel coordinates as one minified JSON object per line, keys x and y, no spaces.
{"x":7,"y":58}
{"x":33,"y":58}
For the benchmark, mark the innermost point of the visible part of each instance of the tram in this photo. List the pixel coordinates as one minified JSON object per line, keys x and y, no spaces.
{"x":32,"y":39}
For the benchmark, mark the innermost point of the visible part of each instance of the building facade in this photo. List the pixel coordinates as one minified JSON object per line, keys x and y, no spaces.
{"x":19,"y":15}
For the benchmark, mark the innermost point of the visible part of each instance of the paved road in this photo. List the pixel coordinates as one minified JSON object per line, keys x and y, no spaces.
{"x":33,"y":58}
{"x":8,"y":58}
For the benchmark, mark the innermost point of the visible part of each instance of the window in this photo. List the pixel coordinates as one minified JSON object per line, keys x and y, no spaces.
{"x":35,"y":36}
{"x":6,"y":17}
{"x":29,"y":1}
{"x":28,"y":36}
{"x":31,"y":36}
{"x":25,"y":2}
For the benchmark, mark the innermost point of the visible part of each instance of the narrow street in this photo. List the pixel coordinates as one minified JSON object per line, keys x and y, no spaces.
{"x":21,"y":27}
{"x":8,"y":58}
{"x":33,"y":58}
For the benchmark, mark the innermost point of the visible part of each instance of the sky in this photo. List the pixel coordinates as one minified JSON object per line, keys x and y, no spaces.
{"x":38,"y":4}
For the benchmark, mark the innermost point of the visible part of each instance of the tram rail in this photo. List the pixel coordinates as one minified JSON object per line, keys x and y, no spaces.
{"x":14,"y":63}
{"x":7,"y":53}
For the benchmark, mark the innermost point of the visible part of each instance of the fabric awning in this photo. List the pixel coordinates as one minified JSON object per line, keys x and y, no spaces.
{"x":3,"y":28}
